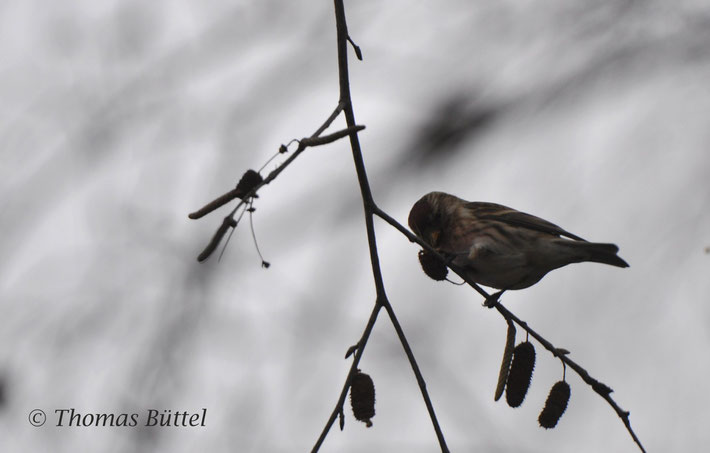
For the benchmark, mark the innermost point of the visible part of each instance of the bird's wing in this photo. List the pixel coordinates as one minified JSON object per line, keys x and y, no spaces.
{"x":500,"y":213}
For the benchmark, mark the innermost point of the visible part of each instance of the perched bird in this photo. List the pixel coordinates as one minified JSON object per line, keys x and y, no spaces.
{"x":498,"y":246}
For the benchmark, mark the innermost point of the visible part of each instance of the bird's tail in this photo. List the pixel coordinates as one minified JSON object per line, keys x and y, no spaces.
{"x":597,"y":252}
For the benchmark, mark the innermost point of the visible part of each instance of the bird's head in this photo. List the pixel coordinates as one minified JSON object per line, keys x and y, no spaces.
{"x":429,"y":216}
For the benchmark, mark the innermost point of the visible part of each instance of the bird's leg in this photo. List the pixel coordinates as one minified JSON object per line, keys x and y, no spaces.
{"x":450,"y":257}
{"x":492,"y":300}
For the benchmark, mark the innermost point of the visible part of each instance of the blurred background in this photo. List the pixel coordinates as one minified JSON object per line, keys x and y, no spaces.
{"x":121,"y":117}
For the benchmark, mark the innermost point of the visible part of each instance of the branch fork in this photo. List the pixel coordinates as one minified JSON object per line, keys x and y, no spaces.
{"x":371,"y":210}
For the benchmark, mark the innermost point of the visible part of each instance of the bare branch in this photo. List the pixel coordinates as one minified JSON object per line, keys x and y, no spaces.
{"x":492,"y":302}
{"x":324,"y":140}
{"x":247,"y":192}
{"x":353,"y":369}
{"x":370,"y":208}
{"x":217,"y":238}
{"x":215,"y":204}
{"x":599,"y":387}
{"x":235,"y":193}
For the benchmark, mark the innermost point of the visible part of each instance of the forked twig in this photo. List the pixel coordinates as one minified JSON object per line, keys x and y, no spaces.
{"x":369,"y":206}
{"x":229,"y":222}
{"x":371,"y":210}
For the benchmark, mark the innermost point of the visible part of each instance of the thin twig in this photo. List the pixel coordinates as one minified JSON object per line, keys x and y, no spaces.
{"x":216,"y":204}
{"x":599,"y":387}
{"x":353,"y":368}
{"x":370,"y":208}
{"x":325,"y":139}
{"x":229,"y":219}
{"x":356,"y":48}
{"x":227,"y":223}
{"x":602,"y":389}
{"x":313,"y":140}
{"x":413,"y":238}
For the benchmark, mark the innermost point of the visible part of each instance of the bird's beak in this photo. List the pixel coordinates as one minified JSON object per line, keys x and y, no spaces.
{"x":434,"y":238}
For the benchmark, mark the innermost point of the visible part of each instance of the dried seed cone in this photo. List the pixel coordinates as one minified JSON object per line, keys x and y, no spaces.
{"x":520,"y":374}
{"x":507,"y":358}
{"x":432,"y":266}
{"x":362,"y":397}
{"x":249,"y":180}
{"x":555,"y":405}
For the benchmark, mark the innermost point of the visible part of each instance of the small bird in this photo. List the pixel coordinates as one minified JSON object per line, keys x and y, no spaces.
{"x":498,"y":246}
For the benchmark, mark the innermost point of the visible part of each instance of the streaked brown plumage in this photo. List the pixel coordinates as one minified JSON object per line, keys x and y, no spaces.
{"x":499,"y":246}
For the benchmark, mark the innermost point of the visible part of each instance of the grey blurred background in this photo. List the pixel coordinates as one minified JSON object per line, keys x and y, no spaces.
{"x":120,"y":117}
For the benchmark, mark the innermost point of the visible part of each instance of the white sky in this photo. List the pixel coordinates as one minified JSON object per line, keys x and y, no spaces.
{"x":119,"y":118}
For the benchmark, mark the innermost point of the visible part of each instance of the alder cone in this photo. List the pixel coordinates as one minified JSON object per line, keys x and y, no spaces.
{"x":362,"y":397}
{"x":249,"y":180}
{"x":520,"y":374}
{"x":433,"y":266}
{"x":507,"y":358}
{"x":555,"y":405}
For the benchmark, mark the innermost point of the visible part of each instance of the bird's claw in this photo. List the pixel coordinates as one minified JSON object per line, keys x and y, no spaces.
{"x":492,"y":300}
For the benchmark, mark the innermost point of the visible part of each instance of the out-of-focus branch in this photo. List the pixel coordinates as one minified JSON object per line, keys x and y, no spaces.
{"x":313,"y":140}
{"x":229,"y":221}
